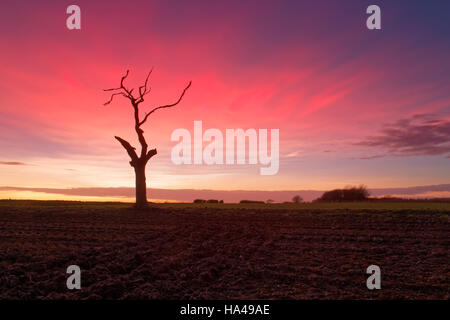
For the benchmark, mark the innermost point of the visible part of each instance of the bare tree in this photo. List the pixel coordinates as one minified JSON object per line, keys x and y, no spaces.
{"x":139,"y":162}
{"x":297,"y":199}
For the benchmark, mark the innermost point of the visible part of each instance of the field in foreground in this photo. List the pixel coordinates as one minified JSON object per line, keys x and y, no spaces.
{"x":224,"y":251}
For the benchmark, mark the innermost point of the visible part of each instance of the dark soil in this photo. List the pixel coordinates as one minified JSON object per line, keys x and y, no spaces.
{"x":207,"y":253}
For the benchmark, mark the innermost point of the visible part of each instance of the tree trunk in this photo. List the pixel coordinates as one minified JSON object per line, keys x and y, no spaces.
{"x":141,"y":187}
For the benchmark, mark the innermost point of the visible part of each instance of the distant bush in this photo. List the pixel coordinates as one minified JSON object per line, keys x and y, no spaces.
{"x":297,"y":199}
{"x":348,"y":194}
{"x":207,"y":201}
{"x":250,"y":201}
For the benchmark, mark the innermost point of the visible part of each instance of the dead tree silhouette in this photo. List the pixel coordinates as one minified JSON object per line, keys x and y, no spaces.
{"x":139,"y":162}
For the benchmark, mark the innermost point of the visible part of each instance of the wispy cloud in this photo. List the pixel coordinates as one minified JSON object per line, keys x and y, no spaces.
{"x":419,"y":135}
{"x":293,"y":154}
{"x":376,"y":156}
{"x":13,"y":163}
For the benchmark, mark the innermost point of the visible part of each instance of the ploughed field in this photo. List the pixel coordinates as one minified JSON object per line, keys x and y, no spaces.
{"x":220,"y":251}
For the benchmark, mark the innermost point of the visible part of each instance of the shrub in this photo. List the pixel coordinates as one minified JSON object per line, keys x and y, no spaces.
{"x":348,"y":194}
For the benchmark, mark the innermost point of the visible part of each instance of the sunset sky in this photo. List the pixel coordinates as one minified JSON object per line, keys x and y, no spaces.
{"x":353,"y":106}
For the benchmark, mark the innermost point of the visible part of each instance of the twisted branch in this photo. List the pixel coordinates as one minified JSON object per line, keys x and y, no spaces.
{"x":166,"y":106}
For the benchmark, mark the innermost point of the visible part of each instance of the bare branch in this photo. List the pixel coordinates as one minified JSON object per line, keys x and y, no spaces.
{"x":130,"y":150}
{"x":166,"y":106}
{"x":112,"y":89}
{"x":123,"y":78}
{"x":150,"y":154}
{"x":127,"y":94}
{"x":146,"y":79}
{"x":112,"y":96}
{"x":143,"y":93}
{"x":121,"y":83}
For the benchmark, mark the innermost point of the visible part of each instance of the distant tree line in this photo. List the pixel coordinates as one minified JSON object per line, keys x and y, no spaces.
{"x":347,"y":194}
{"x":351,"y":193}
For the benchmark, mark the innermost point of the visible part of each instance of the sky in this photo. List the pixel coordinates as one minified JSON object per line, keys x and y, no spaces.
{"x":353,"y":106}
